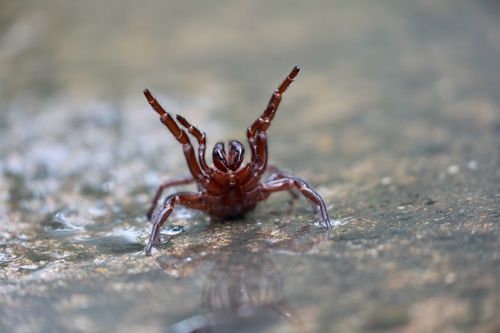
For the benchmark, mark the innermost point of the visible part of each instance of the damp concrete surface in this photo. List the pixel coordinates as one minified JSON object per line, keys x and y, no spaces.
{"x":394,"y":119}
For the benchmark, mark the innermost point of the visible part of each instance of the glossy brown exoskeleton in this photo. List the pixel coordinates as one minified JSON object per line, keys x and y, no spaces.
{"x":228,"y":189}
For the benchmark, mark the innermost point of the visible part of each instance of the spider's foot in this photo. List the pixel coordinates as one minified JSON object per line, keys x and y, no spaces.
{"x":327,"y":223}
{"x":154,"y":240}
{"x":147,"y":250}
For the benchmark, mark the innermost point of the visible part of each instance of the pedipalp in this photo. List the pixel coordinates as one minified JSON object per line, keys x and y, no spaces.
{"x":201,"y":137}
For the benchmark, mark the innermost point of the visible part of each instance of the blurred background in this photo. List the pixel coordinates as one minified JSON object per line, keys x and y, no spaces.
{"x":394,"y":118}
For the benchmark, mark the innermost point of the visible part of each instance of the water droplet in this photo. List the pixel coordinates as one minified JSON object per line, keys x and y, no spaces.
{"x":174,"y":230}
{"x":453,"y":169}
{"x":386,"y":181}
{"x":4,"y":257}
{"x":336,"y":223}
{"x":29,"y":267}
{"x":472,"y":165}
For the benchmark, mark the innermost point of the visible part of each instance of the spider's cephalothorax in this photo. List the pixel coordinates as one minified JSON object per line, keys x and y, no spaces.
{"x":228,"y":189}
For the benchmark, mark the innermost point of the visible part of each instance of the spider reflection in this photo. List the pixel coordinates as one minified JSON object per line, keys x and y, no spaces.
{"x":239,"y":289}
{"x":243,"y":287}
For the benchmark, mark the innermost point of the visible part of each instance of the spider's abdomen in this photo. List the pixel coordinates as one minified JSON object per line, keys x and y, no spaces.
{"x":232,"y":203}
{"x":231,"y":212}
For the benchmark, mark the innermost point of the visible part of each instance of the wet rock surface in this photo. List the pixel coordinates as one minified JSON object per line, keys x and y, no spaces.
{"x":394,"y":119}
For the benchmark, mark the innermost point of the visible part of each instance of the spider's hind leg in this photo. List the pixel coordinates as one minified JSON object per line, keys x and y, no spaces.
{"x":277,"y":173}
{"x":292,"y":182}
{"x":169,"y":183}
{"x":190,"y":200}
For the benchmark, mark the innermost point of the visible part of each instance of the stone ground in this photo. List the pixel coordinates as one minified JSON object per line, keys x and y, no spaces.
{"x":395,"y":119}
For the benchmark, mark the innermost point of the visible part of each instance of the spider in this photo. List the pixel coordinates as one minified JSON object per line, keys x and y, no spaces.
{"x":227,"y":190}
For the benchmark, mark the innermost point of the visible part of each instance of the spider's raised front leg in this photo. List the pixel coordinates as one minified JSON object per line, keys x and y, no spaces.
{"x":190,"y":200}
{"x":292,"y":182}
{"x":183,"y":138}
{"x":169,"y":183}
{"x":262,"y":123}
{"x":256,"y":133}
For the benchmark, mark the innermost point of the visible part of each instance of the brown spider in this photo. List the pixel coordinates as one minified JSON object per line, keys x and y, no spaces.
{"x":228,"y":190}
